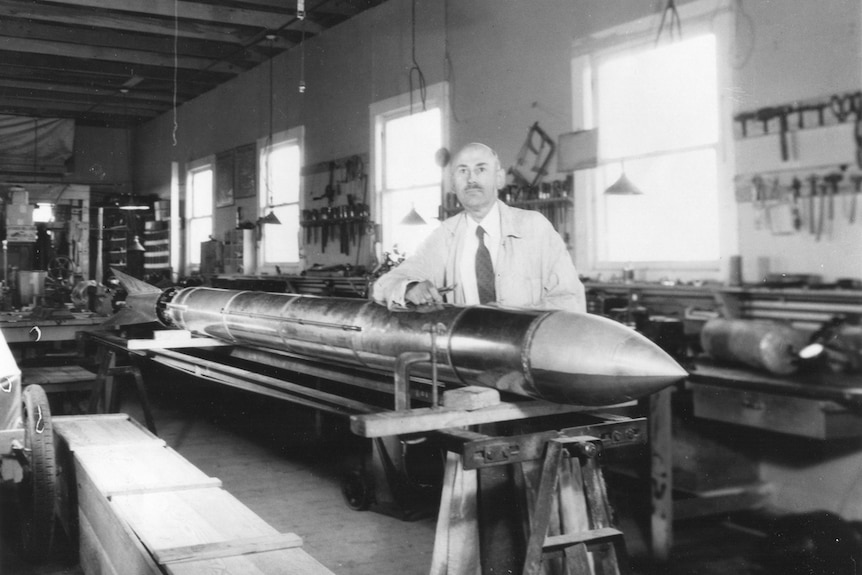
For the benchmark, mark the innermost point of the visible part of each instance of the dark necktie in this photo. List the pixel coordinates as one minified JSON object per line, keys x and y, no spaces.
{"x":484,"y":270}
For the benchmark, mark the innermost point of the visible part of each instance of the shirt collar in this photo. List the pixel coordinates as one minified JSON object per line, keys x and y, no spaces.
{"x":490,"y":223}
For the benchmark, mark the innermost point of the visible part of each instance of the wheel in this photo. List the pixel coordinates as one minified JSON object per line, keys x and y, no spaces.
{"x":37,"y":490}
{"x":60,"y":268}
{"x":358,"y":490}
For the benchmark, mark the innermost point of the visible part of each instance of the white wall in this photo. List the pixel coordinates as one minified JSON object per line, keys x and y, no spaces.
{"x":509,"y":67}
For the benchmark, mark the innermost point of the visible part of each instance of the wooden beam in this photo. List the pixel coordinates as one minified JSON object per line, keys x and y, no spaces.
{"x":419,"y":420}
{"x":313,"y":7}
{"x":52,"y":106}
{"x":163,"y":44}
{"x":112,"y":103}
{"x":135,"y":57}
{"x":114,"y":74}
{"x":142,"y":24}
{"x":199,"y":11}
{"x":61,"y":89}
{"x":222,"y":549}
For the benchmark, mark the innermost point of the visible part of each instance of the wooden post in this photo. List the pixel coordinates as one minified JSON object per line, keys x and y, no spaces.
{"x":661,"y":470}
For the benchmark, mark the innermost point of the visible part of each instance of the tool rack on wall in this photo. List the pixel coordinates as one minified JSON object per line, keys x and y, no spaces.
{"x":800,"y":164}
{"x":335,"y":208}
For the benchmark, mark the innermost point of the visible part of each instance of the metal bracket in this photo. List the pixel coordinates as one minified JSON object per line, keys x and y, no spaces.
{"x":586,"y":440}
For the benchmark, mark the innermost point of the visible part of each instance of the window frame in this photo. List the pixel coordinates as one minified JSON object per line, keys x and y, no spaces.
{"x":436,"y":96}
{"x":193,"y":167}
{"x":286,"y":137}
{"x":699,"y":16}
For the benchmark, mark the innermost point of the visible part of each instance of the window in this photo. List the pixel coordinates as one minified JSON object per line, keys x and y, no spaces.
{"x":407,"y":140}
{"x":199,"y":211}
{"x":658,"y":114}
{"x":280,"y":169}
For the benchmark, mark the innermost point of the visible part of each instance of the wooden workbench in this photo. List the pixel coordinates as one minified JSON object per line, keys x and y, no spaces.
{"x":59,"y":326}
{"x":819,"y":406}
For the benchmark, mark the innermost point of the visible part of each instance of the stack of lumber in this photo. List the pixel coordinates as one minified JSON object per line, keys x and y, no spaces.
{"x":142,"y":508}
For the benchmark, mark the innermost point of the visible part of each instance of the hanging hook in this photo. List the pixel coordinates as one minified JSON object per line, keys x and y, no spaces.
{"x":674,"y":19}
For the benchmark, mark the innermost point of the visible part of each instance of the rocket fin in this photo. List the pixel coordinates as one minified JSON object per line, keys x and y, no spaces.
{"x":133,"y":285}
{"x":139,"y":306}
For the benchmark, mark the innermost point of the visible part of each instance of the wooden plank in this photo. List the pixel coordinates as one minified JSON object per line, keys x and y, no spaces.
{"x":470,"y":398}
{"x":111,"y":21}
{"x":220,"y":549}
{"x":205,"y":12}
{"x":661,"y":473}
{"x":463,"y":524}
{"x":721,"y":501}
{"x":440,"y":555}
{"x":118,"y":544}
{"x":171,"y":519}
{"x":60,"y":374}
{"x":116,"y":430}
{"x":91,"y":554}
{"x":158,"y":343}
{"x":284,"y":562}
{"x":141,"y":467}
{"x":387,"y":423}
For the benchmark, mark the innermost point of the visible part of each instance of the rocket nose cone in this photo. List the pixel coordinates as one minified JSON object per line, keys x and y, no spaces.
{"x":592,"y":360}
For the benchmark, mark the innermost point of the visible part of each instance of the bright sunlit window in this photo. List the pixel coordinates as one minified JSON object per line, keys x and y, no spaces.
{"x":199,"y":210}
{"x":657,"y":110}
{"x":408,"y":176}
{"x":44,"y":213}
{"x":280,"y":165}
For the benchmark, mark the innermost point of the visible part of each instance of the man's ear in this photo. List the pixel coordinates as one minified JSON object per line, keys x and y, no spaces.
{"x":501,"y":178}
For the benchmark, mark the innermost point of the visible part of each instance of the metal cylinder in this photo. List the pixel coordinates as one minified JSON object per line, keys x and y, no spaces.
{"x":766,"y":345}
{"x":553,"y":355}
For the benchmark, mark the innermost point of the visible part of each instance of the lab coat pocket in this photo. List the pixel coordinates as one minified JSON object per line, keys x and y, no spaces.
{"x":523,"y":291}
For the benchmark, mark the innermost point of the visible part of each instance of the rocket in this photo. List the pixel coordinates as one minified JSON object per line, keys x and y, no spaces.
{"x":557,"y":356}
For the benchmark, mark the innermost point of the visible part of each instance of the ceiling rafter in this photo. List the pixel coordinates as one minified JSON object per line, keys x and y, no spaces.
{"x":123,"y":63}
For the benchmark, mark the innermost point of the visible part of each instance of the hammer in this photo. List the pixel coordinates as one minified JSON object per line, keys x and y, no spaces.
{"x":833,"y":179}
{"x":857,"y":187}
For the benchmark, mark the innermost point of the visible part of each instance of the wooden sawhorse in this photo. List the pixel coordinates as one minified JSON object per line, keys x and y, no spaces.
{"x":104,"y":388}
{"x":531,"y":504}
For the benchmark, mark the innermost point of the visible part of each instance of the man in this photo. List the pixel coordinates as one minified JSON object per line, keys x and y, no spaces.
{"x":531,"y":267}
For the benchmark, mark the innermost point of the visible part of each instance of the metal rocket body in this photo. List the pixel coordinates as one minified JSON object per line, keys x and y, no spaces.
{"x":557,"y":356}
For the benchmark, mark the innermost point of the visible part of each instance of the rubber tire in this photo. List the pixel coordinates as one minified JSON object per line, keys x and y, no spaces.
{"x":38,"y":490}
{"x":358,"y":490}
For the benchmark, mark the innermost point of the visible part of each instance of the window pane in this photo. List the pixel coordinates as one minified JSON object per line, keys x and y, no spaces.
{"x":200,"y":230}
{"x":659,"y":99}
{"x":202,"y":193}
{"x":281,"y":242}
{"x":679,"y":203}
{"x":282,"y":169}
{"x":397,"y":204}
{"x":411,"y":144}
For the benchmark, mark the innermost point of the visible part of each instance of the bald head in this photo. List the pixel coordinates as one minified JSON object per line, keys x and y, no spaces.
{"x":476,"y":177}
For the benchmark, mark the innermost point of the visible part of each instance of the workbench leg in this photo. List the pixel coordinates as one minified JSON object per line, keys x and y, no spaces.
{"x":103,"y":385}
{"x":144,"y":398}
{"x":500,"y":520}
{"x":456,"y":543}
{"x":661,"y":469}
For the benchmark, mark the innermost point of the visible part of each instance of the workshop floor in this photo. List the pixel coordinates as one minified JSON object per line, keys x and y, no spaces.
{"x":266,"y":455}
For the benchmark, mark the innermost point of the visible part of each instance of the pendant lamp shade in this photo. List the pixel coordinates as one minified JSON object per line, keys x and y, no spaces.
{"x":413,"y":218}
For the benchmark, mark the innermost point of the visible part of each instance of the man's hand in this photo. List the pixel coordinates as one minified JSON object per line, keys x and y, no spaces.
{"x":423,"y":294}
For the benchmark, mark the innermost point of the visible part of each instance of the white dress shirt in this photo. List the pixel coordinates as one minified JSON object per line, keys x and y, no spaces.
{"x":467,"y":266}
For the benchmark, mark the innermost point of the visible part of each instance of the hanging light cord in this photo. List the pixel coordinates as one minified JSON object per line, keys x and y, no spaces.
{"x":416,"y":69}
{"x":176,"y":66}
{"x":269,"y":137}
